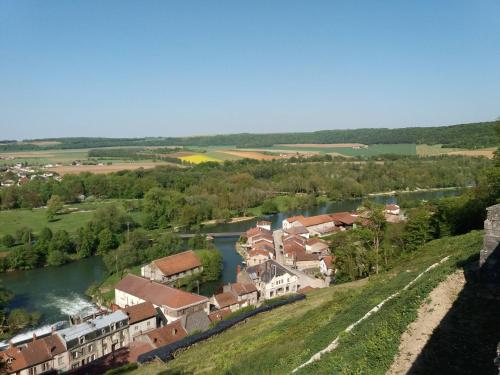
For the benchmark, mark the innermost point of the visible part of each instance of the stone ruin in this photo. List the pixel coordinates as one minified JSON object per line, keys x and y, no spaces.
{"x":489,"y":260}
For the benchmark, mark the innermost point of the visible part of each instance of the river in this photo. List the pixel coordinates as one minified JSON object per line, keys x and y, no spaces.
{"x":57,"y":292}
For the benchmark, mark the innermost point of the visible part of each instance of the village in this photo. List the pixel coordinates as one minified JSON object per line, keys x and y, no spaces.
{"x":149,"y":312}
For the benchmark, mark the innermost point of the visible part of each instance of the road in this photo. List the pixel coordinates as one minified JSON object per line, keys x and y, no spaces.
{"x":304,"y":279}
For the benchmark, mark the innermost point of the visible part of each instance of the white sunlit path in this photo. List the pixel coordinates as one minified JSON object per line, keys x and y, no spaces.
{"x":335,"y":343}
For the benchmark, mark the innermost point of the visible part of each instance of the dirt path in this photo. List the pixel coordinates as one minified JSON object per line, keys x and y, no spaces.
{"x":429,"y":316}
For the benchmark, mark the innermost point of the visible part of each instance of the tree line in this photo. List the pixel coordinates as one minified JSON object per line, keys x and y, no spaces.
{"x":473,"y":135}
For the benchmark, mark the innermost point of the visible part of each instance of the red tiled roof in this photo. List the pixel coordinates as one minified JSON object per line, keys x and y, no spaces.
{"x":219,"y":314}
{"x":166,"y":335}
{"x":263,"y":246}
{"x":313,"y":241}
{"x":292,"y":219}
{"x":177,"y":263}
{"x":328,"y":261}
{"x":158,"y":294}
{"x":243,"y":288}
{"x":315,"y":220}
{"x":255,"y":252}
{"x":33,"y":353}
{"x":138,"y":313}
{"x":344,"y":218}
{"x":256,"y":230}
{"x":297,"y":230}
{"x":225,"y":299}
{"x":292,"y":247}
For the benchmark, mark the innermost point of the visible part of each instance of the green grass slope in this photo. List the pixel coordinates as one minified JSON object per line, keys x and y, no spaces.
{"x":278,"y":341}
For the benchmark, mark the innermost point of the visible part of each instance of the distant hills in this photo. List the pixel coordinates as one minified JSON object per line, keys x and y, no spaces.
{"x":469,"y":136}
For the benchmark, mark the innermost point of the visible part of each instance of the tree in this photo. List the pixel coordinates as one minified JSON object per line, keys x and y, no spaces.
{"x":106,"y":240}
{"x":56,"y":258}
{"x":376,"y":224}
{"x":54,"y":205}
{"x":23,"y":257}
{"x":417,"y":230}
{"x":269,"y":207}
{"x":20,"y":319}
{"x":8,"y":240}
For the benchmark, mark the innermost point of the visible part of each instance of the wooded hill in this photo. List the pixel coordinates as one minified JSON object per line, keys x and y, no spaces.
{"x":470,"y":136}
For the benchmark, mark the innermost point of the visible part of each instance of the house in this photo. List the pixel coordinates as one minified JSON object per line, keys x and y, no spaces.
{"x":392,"y":209}
{"x":141,"y":318}
{"x":326,"y":265}
{"x":318,"y":225}
{"x":173,"y":267}
{"x":263,"y":224}
{"x":244,"y":292}
{"x":258,"y":256}
{"x":225,"y":300}
{"x":297,"y":257}
{"x":235,"y":296}
{"x":317,"y":246}
{"x":38,"y":356}
{"x":162,"y":336}
{"x":289,"y":222}
{"x":270,"y":278}
{"x":297,"y":230}
{"x":174,"y":303}
{"x":344,"y":220}
{"x":95,"y":338}
{"x":260,"y":238}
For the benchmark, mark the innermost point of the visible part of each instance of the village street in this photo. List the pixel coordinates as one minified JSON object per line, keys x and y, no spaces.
{"x":304,"y":279}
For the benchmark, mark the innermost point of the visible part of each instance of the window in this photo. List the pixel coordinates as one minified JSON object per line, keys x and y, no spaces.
{"x":148,"y":324}
{"x":103,"y":331}
{"x":45,"y":366}
{"x":90,"y":348}
{"x":75,"y":365}
{"x":74,"y":354}
{"x":81,"y":339}
{"x":136,"y":328}
{"x":60,"y":361}
{"x":92,"y":357}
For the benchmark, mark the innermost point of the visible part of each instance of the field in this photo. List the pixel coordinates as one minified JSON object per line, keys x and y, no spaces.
{"x":198,"y":158}
{"x":276,"y":342}
{"x":429,"y":150}
{"x":115,"y":167}
{"x":251,"y":155}
{"x":341,"y":145}
{"x":371,"y":150}
{"x":36,"y":219}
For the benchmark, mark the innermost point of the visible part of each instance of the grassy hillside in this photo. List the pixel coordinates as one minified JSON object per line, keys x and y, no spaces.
{"x":475,"y":135}
{"x":276,"y":342}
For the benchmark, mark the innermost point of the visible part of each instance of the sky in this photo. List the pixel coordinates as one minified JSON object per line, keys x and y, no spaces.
{"x":177,"y":68}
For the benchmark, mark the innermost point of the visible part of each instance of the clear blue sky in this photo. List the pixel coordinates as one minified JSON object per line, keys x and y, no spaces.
{"x":169,"y":68}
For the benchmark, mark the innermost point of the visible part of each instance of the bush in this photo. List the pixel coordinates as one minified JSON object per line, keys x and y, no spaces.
{"x":8,"y":240}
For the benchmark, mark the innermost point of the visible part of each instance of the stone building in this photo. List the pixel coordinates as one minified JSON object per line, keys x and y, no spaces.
{"x":489,"y":261}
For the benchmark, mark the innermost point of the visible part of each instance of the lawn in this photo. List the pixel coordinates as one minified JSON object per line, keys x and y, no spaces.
{"x":278,"y":341}
{"x":36,"y":219}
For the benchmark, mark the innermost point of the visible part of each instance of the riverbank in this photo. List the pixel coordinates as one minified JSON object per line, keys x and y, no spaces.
{"x":230,"y":221}
{"x":417,"y":190}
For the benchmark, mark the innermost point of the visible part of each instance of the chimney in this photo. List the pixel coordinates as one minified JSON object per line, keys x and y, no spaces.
{"x":34,"y":336}
{"x":238,"y":269}
{"x":11,"y":343}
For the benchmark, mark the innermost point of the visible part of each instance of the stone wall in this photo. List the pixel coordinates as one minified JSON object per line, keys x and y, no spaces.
{"x":489,"y":261}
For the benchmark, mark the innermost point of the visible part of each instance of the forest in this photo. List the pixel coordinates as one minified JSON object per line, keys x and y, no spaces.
{"x":472,"y":136}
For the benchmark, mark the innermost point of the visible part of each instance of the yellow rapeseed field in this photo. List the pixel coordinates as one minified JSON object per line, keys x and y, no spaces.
{"x":197,"y":159}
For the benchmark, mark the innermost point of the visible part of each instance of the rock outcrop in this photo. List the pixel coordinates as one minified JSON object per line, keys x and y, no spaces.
{"x":489,"y":261}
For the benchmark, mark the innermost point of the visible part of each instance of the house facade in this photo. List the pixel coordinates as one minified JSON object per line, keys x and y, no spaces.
{"x":143,"y":318}
{"x":174,"y":303}
{"x":173,"y":267}
{"x":271,"y":279}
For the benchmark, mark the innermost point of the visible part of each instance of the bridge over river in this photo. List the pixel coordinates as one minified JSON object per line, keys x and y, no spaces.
{"x":213,"y":235}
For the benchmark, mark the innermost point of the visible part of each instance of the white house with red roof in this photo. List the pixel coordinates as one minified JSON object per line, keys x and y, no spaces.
{"x":174,"y":303}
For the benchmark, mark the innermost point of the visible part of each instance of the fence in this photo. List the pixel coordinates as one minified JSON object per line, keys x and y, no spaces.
{"x":166,"y":352}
